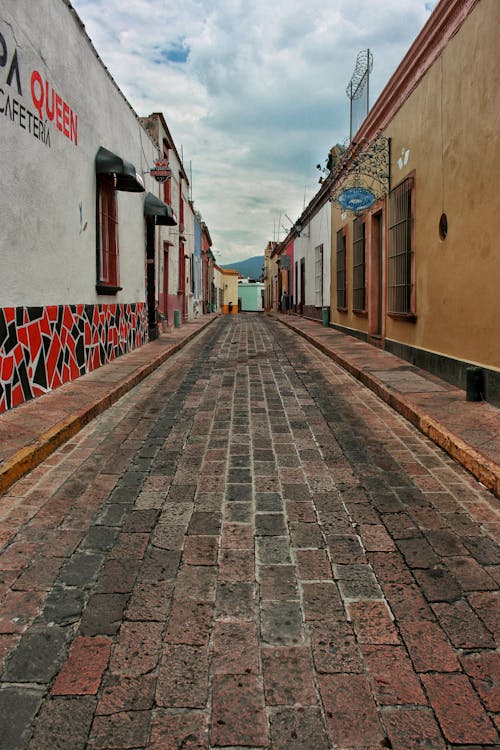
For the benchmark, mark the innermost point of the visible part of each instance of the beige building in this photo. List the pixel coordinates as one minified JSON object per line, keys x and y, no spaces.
{"x":418,"y":272}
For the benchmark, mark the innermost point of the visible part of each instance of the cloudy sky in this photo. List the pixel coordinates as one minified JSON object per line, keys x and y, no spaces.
{"x":254,"y":92}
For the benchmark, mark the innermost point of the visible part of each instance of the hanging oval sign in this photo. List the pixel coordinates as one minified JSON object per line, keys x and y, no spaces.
{"x":160,"y":171}
{"x":356,"y":199}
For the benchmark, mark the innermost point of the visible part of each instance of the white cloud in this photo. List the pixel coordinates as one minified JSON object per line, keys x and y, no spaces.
{"x":254,"y":92}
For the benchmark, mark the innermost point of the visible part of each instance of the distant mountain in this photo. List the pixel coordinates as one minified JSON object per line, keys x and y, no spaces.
{"x":250,"y":268}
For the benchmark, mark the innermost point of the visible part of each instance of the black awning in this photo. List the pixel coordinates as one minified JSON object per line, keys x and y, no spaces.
{"x":124,"y":172}
{"x":163,"y":214}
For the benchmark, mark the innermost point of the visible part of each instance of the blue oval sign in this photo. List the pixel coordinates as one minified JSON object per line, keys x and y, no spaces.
{"x":356,"y":199}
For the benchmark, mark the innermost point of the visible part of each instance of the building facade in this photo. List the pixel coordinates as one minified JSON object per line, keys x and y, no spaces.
{"x":79,"y":208}
{"x":417,"y":271}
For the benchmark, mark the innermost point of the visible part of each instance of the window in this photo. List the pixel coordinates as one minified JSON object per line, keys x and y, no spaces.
{"x":359,"y":265}
{"x":400,"y":252}
{"x":341,"y":270}
{"x":318,"y":275}
{"x":108,"y":277}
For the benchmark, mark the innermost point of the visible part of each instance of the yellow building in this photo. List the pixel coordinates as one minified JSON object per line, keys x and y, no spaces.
{"x":418,"y":272}
{"x":229,"y":290}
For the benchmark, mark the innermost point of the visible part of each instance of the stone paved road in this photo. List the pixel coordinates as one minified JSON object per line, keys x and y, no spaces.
{"x":248,"y":550}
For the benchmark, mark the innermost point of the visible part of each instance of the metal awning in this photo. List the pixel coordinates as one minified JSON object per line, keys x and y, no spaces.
{"x":125,"y":173}
{"x":162,"y":213}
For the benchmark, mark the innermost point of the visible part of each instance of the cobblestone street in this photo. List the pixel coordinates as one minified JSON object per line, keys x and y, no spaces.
{"x":249,"y":549}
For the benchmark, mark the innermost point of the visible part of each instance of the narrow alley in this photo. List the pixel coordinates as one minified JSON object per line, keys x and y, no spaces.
{"x":248,"y":550}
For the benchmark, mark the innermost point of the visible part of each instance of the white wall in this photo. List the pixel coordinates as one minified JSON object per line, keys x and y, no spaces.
{"x":47,"y":204}
{"x":314,"y":233}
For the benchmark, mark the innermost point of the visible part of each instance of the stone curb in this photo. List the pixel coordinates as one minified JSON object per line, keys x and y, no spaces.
{"x":29,"y":457}
{"x":481,"y":467}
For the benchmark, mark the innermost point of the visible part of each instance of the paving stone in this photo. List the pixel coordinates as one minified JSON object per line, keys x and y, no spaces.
{"x":486,"y":604}
{"x":159,"y":565}
{"x":40,"y":576}
{"x":458,"y":709}
{"x":281,"y":623}
{"x":483,"y":669}
{"x":121,"y":693}
{"x":437,"y":584}
{"x":237,"y":565}
{"x":470,"y":575}
{"x":268,"y":501}
{"x":103,"y":614}
{"x":418,"y":553}
{"x":238,"y":493}
{"x":99,"y":538}
{"x":375,"y":538}
{"x":372,"y":622}
{"x":117,"y":576}
{"x":63,"y":724}
{"x":200,"y":550}
{"x":127,"y":729}
{"x":196,"y":582}
{"x":321,"y":601}
{"x":81,"y":569}
{"x":137,"y":648}
{"x":273,"y":550}
{"x":236,"y":648}
{"x":483,"y":549}
{"x":38,"y":655}
{"x":21,"y":706}
{"x":189,"y":622}
{"x":462,"y":625}
{"x":357,"y":582}
{"x":270,"y":524}
{"x":392,"y":675}
{"x":298,"y":729}
{"x":429,"y":649}
{"x":350,"y":711}
{"x":237,"y":536}
{"x":345,"y":549}
{"x":183,"y":677}
{"x":412,"y":729}
{"x":82,"y":672}
{"x":288,"y":676}
{"x":334,"y":647}
{"x":407,"y":602}
{"x":239,"y":513}
{"x":238,"y":713}
{"x":235,"y":599}
{"x":306,"y":535}
{"x":187,"y":730}
{"x":277,"y":582}
{"x":313,"y":565}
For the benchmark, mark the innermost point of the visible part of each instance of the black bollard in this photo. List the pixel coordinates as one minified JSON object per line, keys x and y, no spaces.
{"x":475,"y":384}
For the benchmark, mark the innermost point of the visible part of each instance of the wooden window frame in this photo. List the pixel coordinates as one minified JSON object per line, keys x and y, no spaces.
{"x":401,"y":298}
{"x":318,"y":275}
{"x":359,"y":265}
{"x":341,"y":269}
{"x":108,"y":251}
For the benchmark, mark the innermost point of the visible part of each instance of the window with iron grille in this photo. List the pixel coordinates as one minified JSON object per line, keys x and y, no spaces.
{"x":318,"y":275}
{"x":108,"y":277}
{"x":400,"y":250}
{"x":341,"y":270}
{"x":359,"y":265}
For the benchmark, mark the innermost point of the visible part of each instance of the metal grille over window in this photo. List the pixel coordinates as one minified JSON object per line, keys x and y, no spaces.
{"x":400,"y":249}
{"x":341,"y":270}
{"x":318,"y":275}
{"x":359,"y":265}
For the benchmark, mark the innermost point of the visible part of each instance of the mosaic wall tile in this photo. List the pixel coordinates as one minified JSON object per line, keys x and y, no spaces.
{"x":43,"y":347}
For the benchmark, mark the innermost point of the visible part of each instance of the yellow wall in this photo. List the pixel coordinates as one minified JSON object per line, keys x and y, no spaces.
{"x":229,"y":280}
{"x":450,"y":125}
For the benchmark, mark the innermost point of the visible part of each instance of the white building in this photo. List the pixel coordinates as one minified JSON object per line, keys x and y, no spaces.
{"x":75,"y":189}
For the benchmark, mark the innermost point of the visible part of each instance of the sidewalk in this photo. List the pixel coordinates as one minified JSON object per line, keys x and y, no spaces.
{"x":34,"y":430}
{"x":467,"y":431}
